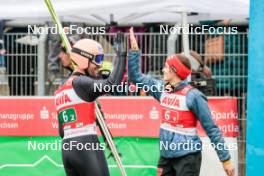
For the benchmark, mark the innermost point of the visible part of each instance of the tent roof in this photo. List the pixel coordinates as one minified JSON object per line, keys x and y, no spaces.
{"x":125,"y":12}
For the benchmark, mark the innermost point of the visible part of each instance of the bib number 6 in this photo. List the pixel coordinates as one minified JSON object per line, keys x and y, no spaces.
{"x":65,"y":117}
{"x":167,"y":115}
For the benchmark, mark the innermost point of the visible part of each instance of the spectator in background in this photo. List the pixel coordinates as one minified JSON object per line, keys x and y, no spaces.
{"x":54,"y":43}
{"x":57,"y":56}
{"x":3,"y":76}
{"x":2,"y":49}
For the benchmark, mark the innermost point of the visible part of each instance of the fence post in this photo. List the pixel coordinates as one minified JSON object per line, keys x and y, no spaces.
{"x":41,"y":63}
{"x":171,"y":42}
{"x":185,"y":41}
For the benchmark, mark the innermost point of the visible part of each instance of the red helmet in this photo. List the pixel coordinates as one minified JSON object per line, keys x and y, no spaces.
{"x":86,"y":50}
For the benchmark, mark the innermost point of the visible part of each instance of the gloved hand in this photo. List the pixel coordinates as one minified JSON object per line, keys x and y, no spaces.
{"x":119,"y":44}
{"x":229,"y":168}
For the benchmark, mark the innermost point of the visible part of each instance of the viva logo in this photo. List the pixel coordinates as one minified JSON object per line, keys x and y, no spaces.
{"x":62,"y":99}
{"x":171,"y":101}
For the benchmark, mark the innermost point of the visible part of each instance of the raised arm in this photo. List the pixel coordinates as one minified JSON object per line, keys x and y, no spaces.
{"x":89,"y":88}
{"x":134,"y":72}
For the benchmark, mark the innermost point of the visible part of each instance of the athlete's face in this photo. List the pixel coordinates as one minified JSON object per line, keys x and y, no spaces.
{"x":65,"y":59}
{"x":168,"y":74}
{"x":93,"y":69}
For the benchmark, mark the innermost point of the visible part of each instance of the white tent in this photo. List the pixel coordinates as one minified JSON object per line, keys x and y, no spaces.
{"x":126,"y":12}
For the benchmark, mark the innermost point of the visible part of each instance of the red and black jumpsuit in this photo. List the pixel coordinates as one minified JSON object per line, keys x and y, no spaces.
{"x":82,"y":152}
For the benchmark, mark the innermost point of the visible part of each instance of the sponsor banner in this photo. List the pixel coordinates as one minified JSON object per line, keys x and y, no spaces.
{"x":224,"y":113}
{"x":125,"y":116}
{"x":38,"y":155}
{"x":132,"y":116}
{"x":27,"y":116}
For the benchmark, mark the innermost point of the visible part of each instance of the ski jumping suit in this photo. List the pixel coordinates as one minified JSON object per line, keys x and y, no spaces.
{"x":181,"y":109}
{"x":82,"y":153}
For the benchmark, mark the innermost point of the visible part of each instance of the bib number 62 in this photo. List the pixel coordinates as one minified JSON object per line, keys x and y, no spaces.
{"x":67,"y":115}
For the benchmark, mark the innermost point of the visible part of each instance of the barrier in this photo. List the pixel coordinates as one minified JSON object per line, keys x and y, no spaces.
{"x":133,"y":121}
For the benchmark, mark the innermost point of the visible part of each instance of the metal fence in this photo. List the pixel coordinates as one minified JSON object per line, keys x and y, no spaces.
{"x":230,"y":72}
{"x":21,"y":66}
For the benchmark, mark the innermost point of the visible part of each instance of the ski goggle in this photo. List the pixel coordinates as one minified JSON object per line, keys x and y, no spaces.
{"x":96,"y":59}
